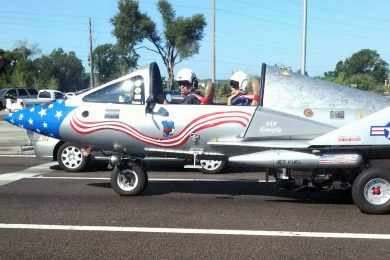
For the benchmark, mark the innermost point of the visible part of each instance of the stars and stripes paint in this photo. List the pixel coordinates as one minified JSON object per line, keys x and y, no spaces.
{"x":44,"y":119}
{"x":197,"y":125}
{"x":339,"y":159}
{"x":380,"y":131}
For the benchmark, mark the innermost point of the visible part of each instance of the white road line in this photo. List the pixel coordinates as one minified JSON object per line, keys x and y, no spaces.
{"x":150,"y":179}
{"x":27,"y":173}
{"x":199,"y":231}
{"x":18,"y":155}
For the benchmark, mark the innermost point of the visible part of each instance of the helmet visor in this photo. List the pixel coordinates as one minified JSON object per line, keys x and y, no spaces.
{"x":234,"y":84}
{"x":184,"y":83}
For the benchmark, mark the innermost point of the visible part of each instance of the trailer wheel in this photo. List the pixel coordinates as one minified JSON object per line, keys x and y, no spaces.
{"x":129,"y":181}
{"x":371,"y":191}
{"x":212,"y":166}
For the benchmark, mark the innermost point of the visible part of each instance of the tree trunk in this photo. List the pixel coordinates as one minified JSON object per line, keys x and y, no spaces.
{"x":170,"y":76}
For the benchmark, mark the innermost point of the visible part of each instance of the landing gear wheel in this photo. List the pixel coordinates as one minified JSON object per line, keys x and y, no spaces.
{"x":129,"y":181}
{"x":70,"y":158}
{"x":371,"y":191}
{"x":212,"y":166}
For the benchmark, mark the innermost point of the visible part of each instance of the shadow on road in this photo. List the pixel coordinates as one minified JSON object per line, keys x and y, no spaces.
{"x":97,"y":166}
{"x":231,"y":189}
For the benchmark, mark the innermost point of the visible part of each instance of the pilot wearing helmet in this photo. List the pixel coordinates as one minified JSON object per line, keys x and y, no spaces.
{"x":239,"y":97}
{"x":188,"y":83}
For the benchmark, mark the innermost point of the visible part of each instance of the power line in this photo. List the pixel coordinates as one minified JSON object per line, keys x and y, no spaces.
{"x":29,"y":27}
{"x":317,"y":21}
{"x":53,"y":14}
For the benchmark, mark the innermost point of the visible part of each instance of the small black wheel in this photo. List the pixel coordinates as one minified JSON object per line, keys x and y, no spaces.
{"x":129,"y":181}
{"x":70,"y":158}
{"x":212,"y":166}
{"x":371,"y":191}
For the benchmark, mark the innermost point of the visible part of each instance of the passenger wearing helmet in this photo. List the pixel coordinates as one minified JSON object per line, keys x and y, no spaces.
{"x":188,"y":83}
{"x":239,"y":97}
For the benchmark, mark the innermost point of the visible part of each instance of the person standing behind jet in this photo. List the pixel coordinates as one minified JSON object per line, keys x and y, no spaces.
{"x":188,"y":82}
{"x":239,"y":97}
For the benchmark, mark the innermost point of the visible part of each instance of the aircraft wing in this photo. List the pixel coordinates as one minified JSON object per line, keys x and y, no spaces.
{"x":373,"y":130}
{"x":266,"y":144}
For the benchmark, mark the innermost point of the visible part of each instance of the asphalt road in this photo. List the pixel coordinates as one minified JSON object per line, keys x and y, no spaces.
{"x":10,"y":164}
{"x":78,"y":216}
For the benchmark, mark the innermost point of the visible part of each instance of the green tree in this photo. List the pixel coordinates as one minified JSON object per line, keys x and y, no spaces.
{"x":17,"y":67}
{"x":365,"y":69}
{"x":111,"y":62}
{"x":21,"y":67}
{"x":45,"y":73}
{"x":6,"y":68}
{"x":24,"y":71}
{"x":180,"y":38}
{"x":64,"y":70}
{"x":2,"y":60}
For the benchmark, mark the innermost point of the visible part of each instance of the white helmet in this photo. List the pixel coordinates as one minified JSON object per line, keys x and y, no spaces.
{"x":187,"y":75}
{"x":239,"y":79}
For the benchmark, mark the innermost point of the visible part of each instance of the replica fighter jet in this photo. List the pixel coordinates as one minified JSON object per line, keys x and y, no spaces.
{"x":130,"y":119}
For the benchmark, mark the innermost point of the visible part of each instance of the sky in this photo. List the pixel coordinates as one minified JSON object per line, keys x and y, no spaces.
{"x":248,"y":32}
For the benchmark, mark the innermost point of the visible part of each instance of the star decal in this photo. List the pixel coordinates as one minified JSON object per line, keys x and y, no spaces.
{"x":32,"y":109}
{"x":30,"y":121}
{"x":42,"y":113}
{"x":21,"y":116}
{"x":44,"y":125}
{"x":58,"y":115}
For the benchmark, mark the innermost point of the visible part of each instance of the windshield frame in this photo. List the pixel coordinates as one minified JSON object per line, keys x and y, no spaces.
{"x":3,"y":90}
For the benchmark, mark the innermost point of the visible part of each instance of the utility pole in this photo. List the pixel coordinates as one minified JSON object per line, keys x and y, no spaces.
{"x":213,"y":51}
{"x":92,"y":75}
{"x":304,"y":38}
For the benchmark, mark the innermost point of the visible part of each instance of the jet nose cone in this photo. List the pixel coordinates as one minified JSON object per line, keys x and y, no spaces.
{"x":7,"y":118}
{"x":15,"y":118}
{"x":44,"y":119}
{"x":23,"y":118}
{"x":31,"y":118}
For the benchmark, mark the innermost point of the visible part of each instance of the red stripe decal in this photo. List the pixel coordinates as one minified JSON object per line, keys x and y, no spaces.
{"x":198,"y":124}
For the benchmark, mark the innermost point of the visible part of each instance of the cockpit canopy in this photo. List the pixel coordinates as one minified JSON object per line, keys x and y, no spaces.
{"x":135,"y":88}
{"x":156,"y":88}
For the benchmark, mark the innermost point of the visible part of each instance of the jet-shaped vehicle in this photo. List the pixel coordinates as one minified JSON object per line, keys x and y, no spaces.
{"x":130,"y":118}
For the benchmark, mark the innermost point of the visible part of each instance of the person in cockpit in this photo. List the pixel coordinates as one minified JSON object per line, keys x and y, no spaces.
{"x":188,"y":84}
{"x":238,"y":86}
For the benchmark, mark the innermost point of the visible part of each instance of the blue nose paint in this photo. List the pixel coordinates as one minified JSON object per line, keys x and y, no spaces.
{"x":43,"y":119}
